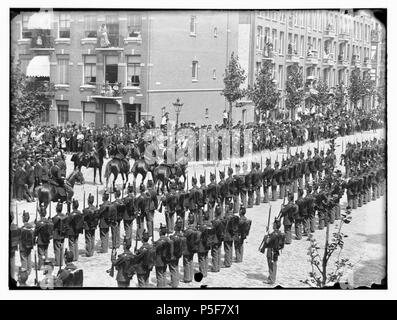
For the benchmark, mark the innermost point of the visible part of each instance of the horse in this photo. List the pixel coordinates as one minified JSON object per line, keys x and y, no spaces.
{"x":48,"y":192}
{"x":115,"y":167}
{"x":95,"y":161}
{"x":164,"y":172}
{"x":141,"y":166}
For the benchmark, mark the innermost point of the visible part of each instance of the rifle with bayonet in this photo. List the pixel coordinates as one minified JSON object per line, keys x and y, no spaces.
{"x":262,"y":246}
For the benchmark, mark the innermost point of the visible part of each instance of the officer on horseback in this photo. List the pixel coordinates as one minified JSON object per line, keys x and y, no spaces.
{"x":120,"y":151}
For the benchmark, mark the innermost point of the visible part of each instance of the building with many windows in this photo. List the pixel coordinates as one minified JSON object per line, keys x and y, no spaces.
{"x":325,"y":44}
{"x":116,"y":67}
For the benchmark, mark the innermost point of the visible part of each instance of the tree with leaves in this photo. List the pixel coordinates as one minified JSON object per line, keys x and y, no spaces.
{"x":340,"y":97}
{"x":294,"y":89}
{"x":29,"y":98}
{"x":380,"y":94}
{"x":323,"y":97}
{"x":355,"y":88}
{"x":264,"y":92}
{"x":320,"y":275}
{"x":233,"y":78}
{"x":368,"y":86}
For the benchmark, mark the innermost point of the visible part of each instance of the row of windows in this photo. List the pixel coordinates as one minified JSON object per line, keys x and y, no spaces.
{"x":91,"y":26}
{"x":322,"y":20}
{"x":193,"y":27}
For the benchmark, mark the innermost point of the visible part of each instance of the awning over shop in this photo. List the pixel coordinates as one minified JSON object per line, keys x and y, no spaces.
{"x":39,"y":66}
{"x":40,"y":20}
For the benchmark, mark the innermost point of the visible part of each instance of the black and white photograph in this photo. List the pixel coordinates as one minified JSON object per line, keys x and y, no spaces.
{"x":197,"y":148}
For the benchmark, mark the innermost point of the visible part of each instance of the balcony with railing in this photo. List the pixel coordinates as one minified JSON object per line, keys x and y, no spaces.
{"x":42,"y":40}
{"x":356,"y":62}
{"x":367,"y":64}
{"x":111,"y":42}
{"x":344,"y":37}
{"x":268,"y":52}
{"x":292,"y":57}
{"x":342,"y":62}
{"x":312,"y":56}
{"x":108,"y":90}
{"x":328,"y":60}
{"x":329,"y":32}
{"x":374,"y":36}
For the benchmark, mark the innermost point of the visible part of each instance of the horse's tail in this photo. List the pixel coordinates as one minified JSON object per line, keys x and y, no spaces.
{"x":111,"y":167}
{"x":43,"y":194}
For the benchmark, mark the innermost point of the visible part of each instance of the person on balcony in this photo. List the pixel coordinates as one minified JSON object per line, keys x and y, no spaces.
{"x":103,"y":36}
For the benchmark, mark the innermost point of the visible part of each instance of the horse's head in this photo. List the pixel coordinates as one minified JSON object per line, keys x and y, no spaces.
{"x":76,"y":175}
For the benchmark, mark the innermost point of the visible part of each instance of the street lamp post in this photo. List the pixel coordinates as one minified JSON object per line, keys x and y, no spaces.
{"x":178,"y":107}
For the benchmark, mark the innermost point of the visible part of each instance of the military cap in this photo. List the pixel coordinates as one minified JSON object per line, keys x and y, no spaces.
{"x":163,"y":229}
{"x":150,"y":183}
{"x":218,"y":211}
{"x":105,"y":196}
{"x":130,"y":188}
{"x":309,"y":152}
{"x":178,"y":222}
{"x":25,"y":215}
{"x":194,"y":180}
{"x":68,"y":255}
{"x":277,"y":223}
{"x":276,"y":163}
{"x":90,"y":198}
{"x":145,"y":236}
{"x":48,"y":262}
{"x":257,"y":165}
{"x":142,"y":187}
{"x":268,"y":162}
{"x":300,"y":191}
{"x":127,"y":242}
{"x":229,"y":170}
{"x":75,"y":203}
{"x":191,"y":217}
{"x":221,"y":174}
{"x":212,"y":176}
{"x":202,"y":179}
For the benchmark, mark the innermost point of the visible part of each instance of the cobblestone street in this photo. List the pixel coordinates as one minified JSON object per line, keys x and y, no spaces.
{"x":365,"y":245}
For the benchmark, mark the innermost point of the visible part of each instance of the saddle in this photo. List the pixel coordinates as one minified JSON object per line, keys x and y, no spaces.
{"x":124,"y":164}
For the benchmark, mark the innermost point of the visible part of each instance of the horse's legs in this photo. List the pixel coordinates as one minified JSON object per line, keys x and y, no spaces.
{"x":114,"y":180}
{"x":126,"y":180}
{"x":94,"y":174}
{"x":100,"y":173}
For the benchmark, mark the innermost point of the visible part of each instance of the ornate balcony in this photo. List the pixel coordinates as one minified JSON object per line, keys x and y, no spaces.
{"x":344,"y":37}
{"x":268,"y":54}
{"x":113,"y":43}
{"x":367,"y":64}
{"x":356,"y":62}
{"x":328,"y":61}
{"x":342,"y":63}
{"x":329,"y":32}
{"x":42,"y":41}
{"x":111,"y":91}
{"x":312,"y":57}
{"x":292,"y":58}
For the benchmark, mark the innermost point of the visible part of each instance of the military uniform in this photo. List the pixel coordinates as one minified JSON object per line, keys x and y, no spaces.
{"x":203,"y":249}
{"x":177,"y":240}
{"x":26,"y":245}
{"x":142,"y":268}
{"x":188,"y":253}
{"x":44,"y":233}
{"x":288,"y":214}
{"x":256,"y":183}
{"x":276,"y":177}
{"x":129,"y":213}
{"x":91,"y":219}
{"x":267,"y":177}
{"x":119,"y":206}
{"x":75,"y":221}
{"x":230,"y":222}
{"x":272,"y":255}
{"x":59,"y":222}
{"x":123,"y":266}
{"x":104,"y":224}
{"x":301,"y":216}
{"x":216,"y":247}
{"x":160,"y":262}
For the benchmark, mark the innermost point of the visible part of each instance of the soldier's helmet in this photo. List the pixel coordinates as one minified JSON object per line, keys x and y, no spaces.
{"x":212,"y":176}
{"x":221,"y":174}
{"x":178,"y":224}
{"x":163,"y":229}
{"x":276,"y":163}
{"x":315,"y":150}
{"x":75,"y":203}
{"x":127,"y":242}
{"x":90,"y":199}
{"x":242,"y":210}
{"x":229,"y":170}
{"x":117,"y":193}
{"x":237,"y":166}
{"x":191,"y":218}
{"x":268,"y":162}
{"x":276,"y":224}
{"x":105,"y":196}
{"x":309,"y":152}
{"x":257,"y":165}
{"x":142,"y":188}
{"x":145,"y":236}
{"x":59,"y":206}
{"x":194,"y":180}
{"x":25,"y":216}
{"x":130,"y":188}
{"x":290,"y":196}
{"x":202,"y":179}
{"x":218,"y":211}
{"x":300,"y":192}
{"x":68,"y":256}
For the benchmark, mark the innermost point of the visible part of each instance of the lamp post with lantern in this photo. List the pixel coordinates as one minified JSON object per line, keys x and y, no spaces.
{"x":178,"y":108}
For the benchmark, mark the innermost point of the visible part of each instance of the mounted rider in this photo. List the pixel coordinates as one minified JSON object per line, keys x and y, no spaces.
{"x":119,"y":151}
